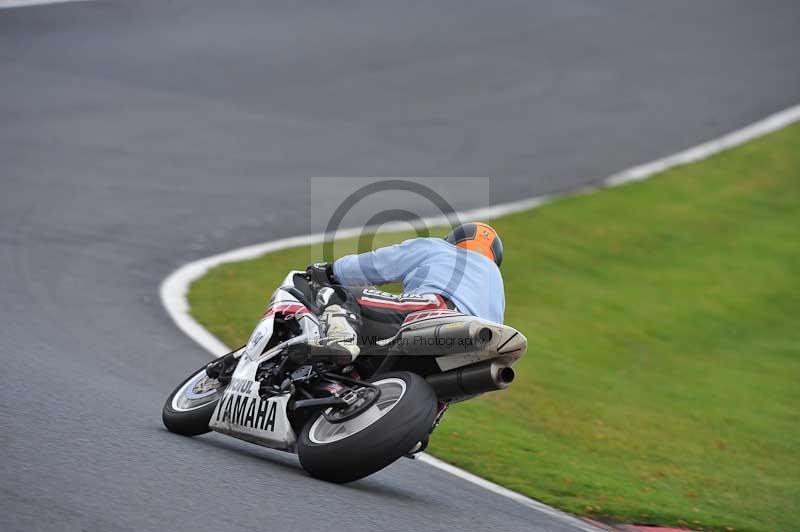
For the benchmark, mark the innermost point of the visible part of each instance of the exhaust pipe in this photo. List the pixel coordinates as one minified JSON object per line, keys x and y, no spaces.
{"x":444,"y":339}
{"x":462,"y":383}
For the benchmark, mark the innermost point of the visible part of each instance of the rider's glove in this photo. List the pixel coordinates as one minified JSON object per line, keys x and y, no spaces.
{"x":321,"y":273}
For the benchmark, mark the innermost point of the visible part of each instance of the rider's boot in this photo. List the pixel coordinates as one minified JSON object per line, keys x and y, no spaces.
{"x":340,"y":339}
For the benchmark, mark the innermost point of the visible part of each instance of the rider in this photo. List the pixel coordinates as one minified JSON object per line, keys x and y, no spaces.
{"x":459,"y":273}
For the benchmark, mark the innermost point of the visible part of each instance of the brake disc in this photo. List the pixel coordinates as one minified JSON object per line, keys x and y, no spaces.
{"x":365,"y":398}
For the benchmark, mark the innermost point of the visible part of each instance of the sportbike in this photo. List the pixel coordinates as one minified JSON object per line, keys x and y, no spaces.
{"x":345,"y":422}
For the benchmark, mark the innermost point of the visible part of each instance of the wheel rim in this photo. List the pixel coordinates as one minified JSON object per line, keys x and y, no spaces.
{"x":323,"y":432}
{"x":197,"y":392}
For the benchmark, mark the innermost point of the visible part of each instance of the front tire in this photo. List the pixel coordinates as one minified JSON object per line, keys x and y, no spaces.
{"x":347,"y":451}
{"x":188,"y":409}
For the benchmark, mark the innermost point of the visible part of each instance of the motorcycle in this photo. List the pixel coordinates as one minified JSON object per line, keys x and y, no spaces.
{"x":348,"y":421}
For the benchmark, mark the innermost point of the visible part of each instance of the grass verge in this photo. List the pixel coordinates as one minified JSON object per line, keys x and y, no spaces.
{"x":662,"y":381}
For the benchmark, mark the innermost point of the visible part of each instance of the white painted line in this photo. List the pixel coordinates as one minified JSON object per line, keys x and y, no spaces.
{"x":505,"y":492}
{"x":707,"y":149}
{"x":174,"y":288}
{"x":4,"y":4}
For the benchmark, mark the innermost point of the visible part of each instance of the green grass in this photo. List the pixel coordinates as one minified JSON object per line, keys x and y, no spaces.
{"x":662,"y":380}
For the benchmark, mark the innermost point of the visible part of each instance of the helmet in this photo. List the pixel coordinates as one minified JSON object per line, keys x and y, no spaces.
{"x":478,"y":237}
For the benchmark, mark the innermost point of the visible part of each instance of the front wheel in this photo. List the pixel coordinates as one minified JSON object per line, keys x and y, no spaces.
{"x":189,"y":407}
{"x":342,"y":452}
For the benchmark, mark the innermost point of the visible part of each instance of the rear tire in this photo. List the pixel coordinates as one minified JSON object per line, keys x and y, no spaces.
{"x":336,"y":458}
{"x":183,"y":416}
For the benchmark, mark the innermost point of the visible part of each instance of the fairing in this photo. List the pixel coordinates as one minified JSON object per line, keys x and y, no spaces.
{"x":241,"y":412}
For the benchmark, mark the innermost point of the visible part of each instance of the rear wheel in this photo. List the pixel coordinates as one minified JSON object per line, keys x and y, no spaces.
{"x":189,"y":407}
{"x":359,"y":446}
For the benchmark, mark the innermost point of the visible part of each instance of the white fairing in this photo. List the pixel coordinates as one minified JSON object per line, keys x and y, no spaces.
{"x":248,"y":417}
{"x":241,"y":412}
{"x":282,"y":301}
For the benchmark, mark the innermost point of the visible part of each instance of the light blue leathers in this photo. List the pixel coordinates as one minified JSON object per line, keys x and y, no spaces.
{"x":431,"y":266}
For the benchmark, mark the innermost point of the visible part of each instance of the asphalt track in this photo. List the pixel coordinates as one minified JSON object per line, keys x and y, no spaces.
{"x":137,"y":136}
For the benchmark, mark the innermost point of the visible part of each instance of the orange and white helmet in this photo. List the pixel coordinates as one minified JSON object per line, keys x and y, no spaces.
{"x":479,"y":237}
